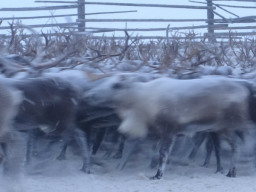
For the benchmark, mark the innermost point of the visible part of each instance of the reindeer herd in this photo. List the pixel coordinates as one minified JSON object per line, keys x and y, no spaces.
{"x":127,"y":106}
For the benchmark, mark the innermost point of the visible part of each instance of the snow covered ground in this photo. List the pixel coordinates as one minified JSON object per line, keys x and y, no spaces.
{"x":189,"y":182}
{"x":55,"y":176}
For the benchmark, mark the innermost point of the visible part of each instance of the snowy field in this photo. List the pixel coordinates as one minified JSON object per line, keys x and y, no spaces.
{"x":176,"y":179}
{"x":51,"y":175}
{"x":188,"y":180}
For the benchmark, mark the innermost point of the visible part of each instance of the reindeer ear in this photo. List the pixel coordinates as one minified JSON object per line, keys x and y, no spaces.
{"x":93,"y":76}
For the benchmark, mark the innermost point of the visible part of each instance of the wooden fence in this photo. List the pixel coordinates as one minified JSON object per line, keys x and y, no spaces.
{"x":80,"y":25}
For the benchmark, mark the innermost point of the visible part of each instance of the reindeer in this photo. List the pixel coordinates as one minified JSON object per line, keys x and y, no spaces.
{"x":169,"y":106}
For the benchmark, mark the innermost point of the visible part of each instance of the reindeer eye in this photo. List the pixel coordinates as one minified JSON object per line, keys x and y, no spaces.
{"x":117,"y":86}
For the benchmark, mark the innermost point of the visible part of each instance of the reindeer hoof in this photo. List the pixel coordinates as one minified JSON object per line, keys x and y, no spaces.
{"x":86,"y":169}
{"x":158,"y":176}
{"x":220,"y":170}
{"x":232,"y":173}
{"x":155,"y":177}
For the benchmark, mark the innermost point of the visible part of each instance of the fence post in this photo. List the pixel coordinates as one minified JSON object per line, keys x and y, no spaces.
{"x":210,"y":17}
{"x":81,"y":15}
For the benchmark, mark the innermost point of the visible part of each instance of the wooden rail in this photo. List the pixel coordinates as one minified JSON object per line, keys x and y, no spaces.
{"x":65,"y":15}
{"x":217,"y":26}
{"x":41,"y":26}
{"x":39,"y":8}
{"x":142,"y":20}
{"x":135,"y":4}
{"x":212,"y":23}
{"x":238,"y":0}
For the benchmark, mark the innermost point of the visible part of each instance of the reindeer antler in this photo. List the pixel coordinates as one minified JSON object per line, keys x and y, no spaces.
{"x":102,"y":56}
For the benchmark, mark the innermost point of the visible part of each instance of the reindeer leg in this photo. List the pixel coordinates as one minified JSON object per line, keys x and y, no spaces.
{"x":81,"y":139}
{"x":164,"y":153}
{"x":129,"y":146}
{"x":2,"y":152}
{"x":98,"y":140}
{"x":209,"y":148}
{"x":198,"y":138}
{"x":234,"y":155}
{"x":216,"y":143}
{"x":120,"y":149}
{"x":30,"y":146}
{"x":154,"y":160}
{"x":28,"y":149}
{"x":62,"y":155}
{"x":14,"y":149}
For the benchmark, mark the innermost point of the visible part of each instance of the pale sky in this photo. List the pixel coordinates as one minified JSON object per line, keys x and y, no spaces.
{"x":142,"y":13}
